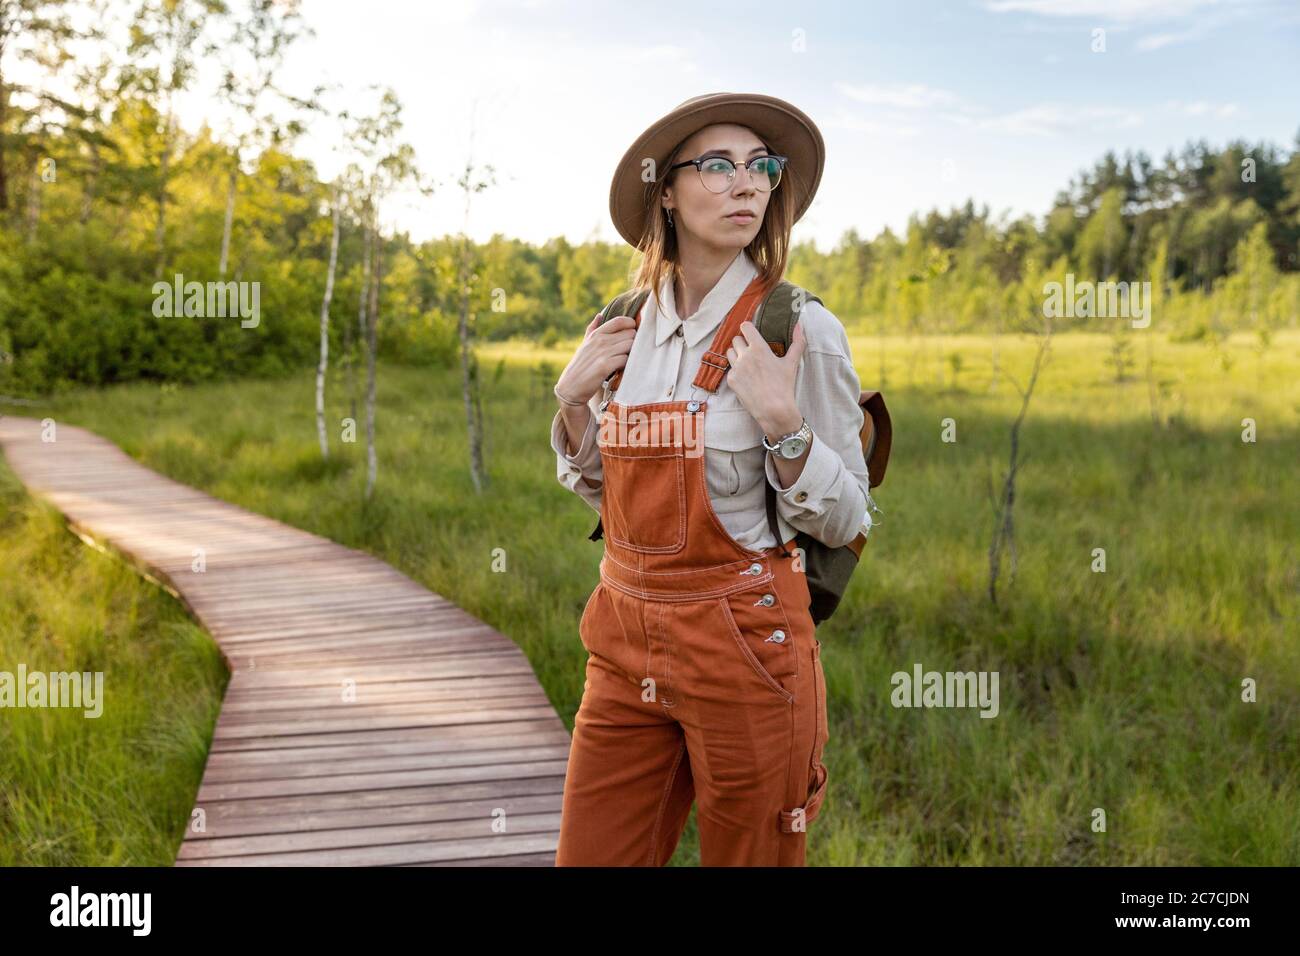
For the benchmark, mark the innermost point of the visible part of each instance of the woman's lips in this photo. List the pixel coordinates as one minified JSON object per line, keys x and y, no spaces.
{"x":741,"y":218}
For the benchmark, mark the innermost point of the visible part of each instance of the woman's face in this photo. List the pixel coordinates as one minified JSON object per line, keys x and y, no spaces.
{"x":707,"y":217}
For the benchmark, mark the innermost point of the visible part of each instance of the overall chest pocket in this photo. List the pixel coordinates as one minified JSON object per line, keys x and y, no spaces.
{"x":735,"y":446}
{"x":643,"y":504}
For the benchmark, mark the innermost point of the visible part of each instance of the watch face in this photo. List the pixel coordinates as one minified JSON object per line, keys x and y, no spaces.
{"x":793,"y":447}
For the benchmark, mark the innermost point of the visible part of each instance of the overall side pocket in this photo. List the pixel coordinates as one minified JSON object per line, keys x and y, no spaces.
{"x":583,"y":621}
{"x":759,"y":628}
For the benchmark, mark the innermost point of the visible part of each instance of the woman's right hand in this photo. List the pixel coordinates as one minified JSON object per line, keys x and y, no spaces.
{"x":604,"y":350}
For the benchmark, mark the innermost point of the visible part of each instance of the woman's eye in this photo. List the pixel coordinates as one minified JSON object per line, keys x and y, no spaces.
{"x":716,"y":166}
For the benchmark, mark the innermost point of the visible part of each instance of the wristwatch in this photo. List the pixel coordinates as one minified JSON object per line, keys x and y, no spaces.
{"x":793,"y":444}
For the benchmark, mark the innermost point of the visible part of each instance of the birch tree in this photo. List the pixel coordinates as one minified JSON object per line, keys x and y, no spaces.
{"x":33,"y":32}
{"x":166,"y":43}
{"x":471,"y":383}
{"x":386,"y":165}
{"x":255,"y":53}
{"x":323,"y":364}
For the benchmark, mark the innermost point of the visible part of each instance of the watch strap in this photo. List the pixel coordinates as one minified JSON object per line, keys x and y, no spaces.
{"x":776,"y":446}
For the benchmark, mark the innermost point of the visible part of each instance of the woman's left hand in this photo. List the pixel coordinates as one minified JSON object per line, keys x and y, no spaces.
{"x":765,"y":382}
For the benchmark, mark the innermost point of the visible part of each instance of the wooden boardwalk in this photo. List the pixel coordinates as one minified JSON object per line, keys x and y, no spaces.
{"x":368,"y":721}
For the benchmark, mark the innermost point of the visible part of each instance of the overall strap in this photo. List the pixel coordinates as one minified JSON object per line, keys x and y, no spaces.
{"x":775,"y":321}
{"x":714,"y":364}
{"x":628,"y":303}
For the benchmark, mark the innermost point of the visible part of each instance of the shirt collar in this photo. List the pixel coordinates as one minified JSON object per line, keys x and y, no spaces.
{"x":717,"y":303}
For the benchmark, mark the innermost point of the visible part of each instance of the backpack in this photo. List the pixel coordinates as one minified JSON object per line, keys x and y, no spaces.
{"x":828,"y":569}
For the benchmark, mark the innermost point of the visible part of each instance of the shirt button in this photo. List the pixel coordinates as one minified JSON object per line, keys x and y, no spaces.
{"x":670,"y":390}
{"x":678,"y":332}
{"x":801,"y":496}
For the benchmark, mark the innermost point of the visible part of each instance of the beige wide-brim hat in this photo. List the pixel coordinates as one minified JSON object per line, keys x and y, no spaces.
{"x":785,"y":129}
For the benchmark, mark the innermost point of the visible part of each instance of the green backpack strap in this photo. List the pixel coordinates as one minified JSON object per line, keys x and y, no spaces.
{"x":625,"y":303}
{"x":775,"y":319}
{"x":777,"y":314}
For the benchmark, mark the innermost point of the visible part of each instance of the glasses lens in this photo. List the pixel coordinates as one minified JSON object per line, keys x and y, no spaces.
{"x":716,"y":172}
{"x":765,"y":172}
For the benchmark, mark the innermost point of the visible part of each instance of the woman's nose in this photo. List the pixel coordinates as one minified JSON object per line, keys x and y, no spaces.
{"x":743,"y":183}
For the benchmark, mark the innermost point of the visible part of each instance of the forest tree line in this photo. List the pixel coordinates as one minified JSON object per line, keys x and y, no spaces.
{"x":104,"y":192}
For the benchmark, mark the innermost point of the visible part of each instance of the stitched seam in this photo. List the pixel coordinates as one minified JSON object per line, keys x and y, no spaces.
{"x":817,"y":718}
{"x":755,"y":663}
{"x":668,"y":658}
{"x":789,"y":633}
{"x":693,"y":571}
{"x":663,"y":803}
{"x":681,"y":513}
{"x":682,"y":597}
{"x":610,"y":454}
{"x":789,"y":761}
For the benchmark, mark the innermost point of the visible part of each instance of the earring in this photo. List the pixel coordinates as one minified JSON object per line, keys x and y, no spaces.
{"x":670,"y":219}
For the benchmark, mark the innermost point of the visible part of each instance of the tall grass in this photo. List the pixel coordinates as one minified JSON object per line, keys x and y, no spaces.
{"x":112,"y":790}
{"x":1121,"y":692}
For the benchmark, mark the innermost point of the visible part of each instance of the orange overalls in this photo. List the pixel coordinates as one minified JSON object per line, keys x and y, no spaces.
{"x":703,"y":678}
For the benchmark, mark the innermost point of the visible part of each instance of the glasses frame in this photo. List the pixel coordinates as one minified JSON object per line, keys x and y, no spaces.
{"x":698,"y":164}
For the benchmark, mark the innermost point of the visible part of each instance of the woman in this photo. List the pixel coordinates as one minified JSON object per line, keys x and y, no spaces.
{"x":704,"y":678}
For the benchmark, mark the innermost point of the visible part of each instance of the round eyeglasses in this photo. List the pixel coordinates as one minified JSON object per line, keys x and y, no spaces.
{"x":717,"y":173}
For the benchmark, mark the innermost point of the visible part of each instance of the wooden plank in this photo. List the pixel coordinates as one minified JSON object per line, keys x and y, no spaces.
{"x":371,"y":837}
{"x":448,"y":729}
{"x":447,"y":851}
{"x":534,"y":795}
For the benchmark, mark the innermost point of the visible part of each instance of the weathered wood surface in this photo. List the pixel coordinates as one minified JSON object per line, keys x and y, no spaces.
{"x":368,"y":721}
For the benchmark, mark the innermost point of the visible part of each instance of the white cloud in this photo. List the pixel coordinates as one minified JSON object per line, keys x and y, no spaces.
{"x":1158,"y":40}
{"x":908,"y":108}
{"x":855,"y":123}
{"x":1203,"y":108}
{"x":1051,"y":119}
{"x":904,"y":96}
{"x":1124,"y":10}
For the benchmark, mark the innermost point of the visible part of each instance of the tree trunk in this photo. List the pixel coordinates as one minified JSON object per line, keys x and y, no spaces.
{"x":4,"y":178}
{"x":230,"y":216}
{"x":372,"y":338}
{"x":34,"y":186}
{"x":361,"y":312}
{"x":470,"y":381}
{"x":91,"y":183}
{"x":160,"y":227}
{"x":325,"y":333}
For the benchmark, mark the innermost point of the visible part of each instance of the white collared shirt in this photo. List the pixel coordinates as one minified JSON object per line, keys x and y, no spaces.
{"x":829,"y":499}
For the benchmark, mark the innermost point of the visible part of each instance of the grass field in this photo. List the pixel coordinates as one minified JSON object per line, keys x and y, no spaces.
{"x":117,"y":789}
{"x":1120,"y":691}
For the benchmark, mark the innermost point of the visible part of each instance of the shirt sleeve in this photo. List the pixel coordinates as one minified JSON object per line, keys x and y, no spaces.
{"x":831,"y":498}
{"x":585,"y":463}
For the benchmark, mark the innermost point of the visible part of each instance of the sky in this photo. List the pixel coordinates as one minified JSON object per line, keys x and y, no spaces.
{"x":922,"y":104}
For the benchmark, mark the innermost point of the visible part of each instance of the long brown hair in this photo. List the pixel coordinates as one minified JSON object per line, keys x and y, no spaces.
{"x":770,"y":247}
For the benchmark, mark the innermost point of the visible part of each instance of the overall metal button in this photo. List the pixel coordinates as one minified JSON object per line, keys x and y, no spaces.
{"x":777,"y":636}
{"x":753,"y":569}
{"x":693,"y":406}
{"x":767,"y":600}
